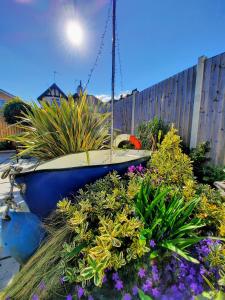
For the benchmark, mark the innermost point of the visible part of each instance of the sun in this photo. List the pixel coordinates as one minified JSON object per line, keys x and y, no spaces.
{"x":74,"y":33}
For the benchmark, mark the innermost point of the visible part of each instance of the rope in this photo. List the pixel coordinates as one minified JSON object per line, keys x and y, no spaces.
{"x":119,"y":60}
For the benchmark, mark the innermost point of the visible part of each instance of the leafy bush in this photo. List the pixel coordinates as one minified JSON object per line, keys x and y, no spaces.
{"x":167,"y":219}
{"x":165,"y":278}
{"x":106,"y":233}
{"x":211,"y":209}
{"x":54,"y":130}
{"x":134,"y":236}
{"x":211,"y":173}
{"x":103,"y":233}
{"x":170,"y":166}
{"x":6,"y":145}
{"x":14,"y":109}
{"x":151,"y":133}
{"x":205,"y":172}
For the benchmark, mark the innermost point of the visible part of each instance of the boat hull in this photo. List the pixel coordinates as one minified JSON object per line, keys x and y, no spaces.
{"x":21,"y":235}
{"x":44,"y":188}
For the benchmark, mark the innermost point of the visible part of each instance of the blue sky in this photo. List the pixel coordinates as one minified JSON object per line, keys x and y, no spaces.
{"x":158,"y":38}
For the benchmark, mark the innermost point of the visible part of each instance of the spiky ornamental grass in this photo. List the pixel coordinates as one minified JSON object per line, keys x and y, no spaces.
{"x":55,"y":130}
{"x":42,"y":265}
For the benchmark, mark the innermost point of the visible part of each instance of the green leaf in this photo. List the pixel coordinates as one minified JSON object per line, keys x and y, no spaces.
{"x":143,"y":296}
{"x":153,"y":254}
{"x":170,"y":246}
{"x":220,"y":296}
{"x":87,"y":273}
{"x":75,"y":251}
{"x":98,"y":279}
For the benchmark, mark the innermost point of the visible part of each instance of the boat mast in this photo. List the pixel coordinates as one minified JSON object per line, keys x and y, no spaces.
{"x":113,"y":70}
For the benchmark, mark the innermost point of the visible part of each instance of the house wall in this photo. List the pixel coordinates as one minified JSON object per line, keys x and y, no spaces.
{"x":4,"y":98}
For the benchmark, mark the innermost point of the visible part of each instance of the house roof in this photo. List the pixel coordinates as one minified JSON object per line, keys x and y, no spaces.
{"x":6,"y":93}
{"x":48,"y":93}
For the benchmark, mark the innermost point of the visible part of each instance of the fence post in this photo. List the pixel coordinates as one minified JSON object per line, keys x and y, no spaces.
{"x":133,"y":110}
{"x":197,"y":101}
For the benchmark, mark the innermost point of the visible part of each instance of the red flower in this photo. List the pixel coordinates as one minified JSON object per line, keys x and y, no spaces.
{"x":134,"y":141}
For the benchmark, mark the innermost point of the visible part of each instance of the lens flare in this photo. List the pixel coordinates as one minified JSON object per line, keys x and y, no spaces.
{"x":74,"y":33}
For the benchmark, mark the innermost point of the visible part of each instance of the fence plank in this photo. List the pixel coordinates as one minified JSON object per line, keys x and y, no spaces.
{"x":173,"y":100}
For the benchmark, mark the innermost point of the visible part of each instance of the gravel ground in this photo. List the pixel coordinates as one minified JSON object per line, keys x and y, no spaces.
{"x":8,"y":266}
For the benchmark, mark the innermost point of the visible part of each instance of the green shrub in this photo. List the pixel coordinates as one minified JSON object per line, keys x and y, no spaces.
{"x":170,"y":166}
{"x":108,"y":227}
{"x":54,"y":130}
{"x":6,"y":145}
{"x":205,"y":172}
{"x":167,"y":219}
{"x":211,"y":173}
{"x":151,"y":133}
{"x":99,"y":231}
{"x":106,"y":233}
{"x":211,"y":209}
{"x":14,"y":109}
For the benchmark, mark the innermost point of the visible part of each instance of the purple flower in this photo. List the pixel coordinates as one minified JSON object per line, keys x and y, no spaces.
{"x":140,"y":168}
{"x":196,"y":288}
{"x":131,"y":169}
{"x":152,"y":244}
{"x":147,"y":285}
{"x":155,"y":273}
{"x":145,"y":288}
{"x":209,"y":242}
{"x":166,"y":297}
{"x":119,"y":285}
{"x":154,"y":269}
{"x":200,"y":279}
{"x":90,"y":297}
{"x":69,"y":297}
{"x":62,"y":280}
{"x":141,"y":273}
{"x":202,"y":270}
{"x":168,"y":268}
{"x":174,"y":289}
{"x":192,"y":271}
{"x":104,"y":280}
{"x":181,"y":286}
{"x":115,"y":276}
{"x":7,"y":298}
{"x":135,"y":290}
{"x":127,"y":296}
{"x":35,"y":297}
{"x":155,"y":292}
{"x":42,"y":285}
{"x":80,"y":292}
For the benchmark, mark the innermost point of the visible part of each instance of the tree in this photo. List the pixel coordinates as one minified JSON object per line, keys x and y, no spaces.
{"x":13,"y":110}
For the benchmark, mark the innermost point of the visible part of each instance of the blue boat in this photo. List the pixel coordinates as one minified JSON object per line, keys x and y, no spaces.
{"x":44,"y":185}
{"x":21,"y":234}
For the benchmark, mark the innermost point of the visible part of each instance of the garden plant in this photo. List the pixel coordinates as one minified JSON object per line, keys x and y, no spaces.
{"x":153,"y":233}
{"x":14,"y":109}
{"x":55,"y":130}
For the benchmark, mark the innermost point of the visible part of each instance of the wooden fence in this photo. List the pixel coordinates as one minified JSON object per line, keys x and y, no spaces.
{"x":194,"y":100}
{"x":6,"y":129}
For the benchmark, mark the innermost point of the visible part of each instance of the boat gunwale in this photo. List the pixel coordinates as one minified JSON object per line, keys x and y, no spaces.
{"x":28,"y":172}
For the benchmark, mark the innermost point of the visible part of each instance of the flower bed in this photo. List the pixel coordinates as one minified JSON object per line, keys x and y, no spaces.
{"x":154,"y":233}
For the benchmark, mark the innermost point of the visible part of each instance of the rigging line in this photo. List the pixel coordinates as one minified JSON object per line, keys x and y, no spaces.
{"x":119,"y":60}
{"x":101,"y":45}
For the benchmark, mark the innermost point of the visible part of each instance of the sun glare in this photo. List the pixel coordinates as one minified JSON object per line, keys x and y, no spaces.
{"x":74,"y":33}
